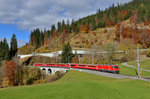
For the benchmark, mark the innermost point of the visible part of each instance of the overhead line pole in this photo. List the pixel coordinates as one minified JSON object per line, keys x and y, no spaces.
{"x":138,"y":61}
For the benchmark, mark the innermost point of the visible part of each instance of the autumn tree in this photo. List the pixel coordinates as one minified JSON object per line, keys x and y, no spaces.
{"x":145,"y":38}
{"x":55,"y":34}
{"x":75,"y":58}
{"x":148,"y":53}
{"x":10,"y":72}
{"x":127,"y":46}
{"x":86,"y":28}
{"x":111,"y":49}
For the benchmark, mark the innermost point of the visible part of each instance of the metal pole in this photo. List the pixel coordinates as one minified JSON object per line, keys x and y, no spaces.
{"x":138,"y":60}
{"x":92,"y":57}
{"x":79,"y":58}
{"x":56,"y":56}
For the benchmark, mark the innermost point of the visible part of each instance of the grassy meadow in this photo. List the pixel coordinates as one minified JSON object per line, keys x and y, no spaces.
{"x":80,"y":85}
{"x":145,"y":64}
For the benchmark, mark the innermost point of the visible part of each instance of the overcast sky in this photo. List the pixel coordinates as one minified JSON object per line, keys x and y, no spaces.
{"x":26,"y":15}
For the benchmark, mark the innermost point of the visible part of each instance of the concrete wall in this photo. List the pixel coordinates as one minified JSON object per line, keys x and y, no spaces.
{"x":53,"y":54}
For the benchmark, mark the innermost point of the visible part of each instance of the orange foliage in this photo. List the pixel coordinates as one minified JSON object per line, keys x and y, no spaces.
{"x":92,"y":42}
{"x":87,"y":42}
{"x":86,"y":28}
{"x":94,"y":33}
{"x":140,"y":36}
{"x":45,"y":38}
{"x":11,"y":70}
{"x":117,"y":33}
{"x":110,"y":22}
{"x":124,"y":13}
{"x":75,"y":59}
{"x":63,"y":37}
{"x":83,"y":41}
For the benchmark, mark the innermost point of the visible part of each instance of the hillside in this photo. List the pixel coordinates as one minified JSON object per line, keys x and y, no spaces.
{"x":114,"y":24}
{"x":79,"y":85}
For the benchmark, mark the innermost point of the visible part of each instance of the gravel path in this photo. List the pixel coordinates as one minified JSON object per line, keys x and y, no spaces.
{"x":111,"y":75}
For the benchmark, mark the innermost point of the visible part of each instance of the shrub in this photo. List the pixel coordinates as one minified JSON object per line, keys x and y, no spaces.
{"x":40,"y":81}
{"x":95,"y":40}
{"x":87,"y":42}
{"x":92,"y":42}
{"x":148,"y":53}
{"x":31,"y":75}
{"x":83,"y":41}
{"x":105,"y":31}
{"x":5,"y":83}
{"x":94,"y":33}
{"x":85,"y":61}
{"x":77,"y":42}
{"x":57,"y":76}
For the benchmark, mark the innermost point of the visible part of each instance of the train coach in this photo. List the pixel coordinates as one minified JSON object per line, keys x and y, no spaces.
{"x":103,"y":68}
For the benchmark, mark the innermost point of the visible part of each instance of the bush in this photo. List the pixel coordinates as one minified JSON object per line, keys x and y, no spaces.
{"x":55,"y":77}
{"x":40,"y":81}
{"x":5,"y":83}
{"x":148,"y":53}
{"x":85,"y":61}
{"x":31,"y":75}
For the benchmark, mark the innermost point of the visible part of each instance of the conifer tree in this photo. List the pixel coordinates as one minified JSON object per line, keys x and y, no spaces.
{"x":6,"y":52}
{"x":13,"y":46}
{"x":67,"y":54}
{"x":53,"y":28}
{"x":63,"y":25}
{"x":59,"y":28}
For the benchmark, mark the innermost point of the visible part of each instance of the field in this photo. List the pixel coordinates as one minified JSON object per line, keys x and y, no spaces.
{"x":145,"y":64}
{"x":79,"y":85}
{"x":132,"y":71}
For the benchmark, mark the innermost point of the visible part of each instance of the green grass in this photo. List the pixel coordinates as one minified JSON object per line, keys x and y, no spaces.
{"x":132,"y":71}
{"x":79,"y":85}
{"x":145,"y":64}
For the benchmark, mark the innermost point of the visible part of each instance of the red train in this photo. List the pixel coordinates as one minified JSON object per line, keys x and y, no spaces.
{"x":104,"y":68}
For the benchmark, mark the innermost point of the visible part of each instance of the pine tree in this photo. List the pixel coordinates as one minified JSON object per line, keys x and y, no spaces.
{"x":53,"y":28}
{"x":67,"y":54}
{"x":37,"y":38}
{"x":41,"y":39}
{"x":6,"y":52}
{"x":13,"y":46}
{"x":72,"y":26}
{"x":59,"y":27}
{"x":63,"y":25}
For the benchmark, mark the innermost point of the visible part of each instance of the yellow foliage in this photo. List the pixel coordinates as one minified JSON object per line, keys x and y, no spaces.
{"x":5,"y":83}
{"x":26,"y":49}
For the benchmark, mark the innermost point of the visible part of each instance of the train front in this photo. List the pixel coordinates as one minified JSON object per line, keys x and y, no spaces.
{"x":116,"y":69}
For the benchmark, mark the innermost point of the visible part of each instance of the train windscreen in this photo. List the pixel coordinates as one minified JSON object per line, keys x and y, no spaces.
{"x":116,"y":67}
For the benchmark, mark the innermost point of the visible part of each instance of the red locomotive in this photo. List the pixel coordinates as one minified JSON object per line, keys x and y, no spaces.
{"x":104,"y":68}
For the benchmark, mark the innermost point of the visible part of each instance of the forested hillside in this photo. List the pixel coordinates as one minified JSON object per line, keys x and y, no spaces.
{"x":136,"y":13}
